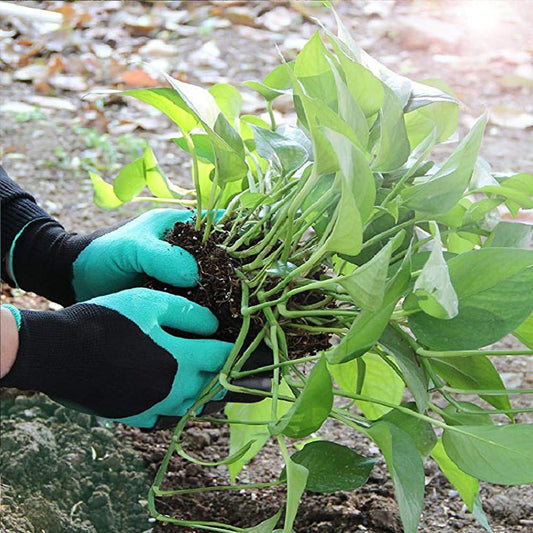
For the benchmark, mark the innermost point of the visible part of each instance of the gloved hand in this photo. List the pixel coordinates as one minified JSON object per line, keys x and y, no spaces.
{"x":69,"y":268}
{"x":111,"y":355}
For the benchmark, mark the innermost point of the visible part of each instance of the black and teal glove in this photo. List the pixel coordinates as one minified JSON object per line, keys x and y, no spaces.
{"x":112,"y":356}
{"x":69,"y":268}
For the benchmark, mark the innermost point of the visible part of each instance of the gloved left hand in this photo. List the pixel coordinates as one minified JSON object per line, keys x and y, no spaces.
{"x":68,"y":268}
{"x":112,"y":356}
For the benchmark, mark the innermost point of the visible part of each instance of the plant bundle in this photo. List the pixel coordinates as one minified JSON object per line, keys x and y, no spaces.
{"x":374,"y":270}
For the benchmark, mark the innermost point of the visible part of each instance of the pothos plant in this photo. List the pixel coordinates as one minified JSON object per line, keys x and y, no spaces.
{"x":376,"y":275}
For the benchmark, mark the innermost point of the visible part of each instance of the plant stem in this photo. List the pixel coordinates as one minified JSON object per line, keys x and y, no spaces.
{"x":466,"y":353}
{"x":195,"y":176}
{"x":281,"y":364}
{"x":244,"y":486}
{"x":389,"y":232}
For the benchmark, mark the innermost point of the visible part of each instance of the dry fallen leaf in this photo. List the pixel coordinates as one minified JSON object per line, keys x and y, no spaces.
{"x":508,"y":117}
{"x":138,"y":78}
{"x":68,"y":83}
{"x":158,"y":48}
{"x":51,"y":102}
{"x":17,"y":107}
{"x":31,"y":72}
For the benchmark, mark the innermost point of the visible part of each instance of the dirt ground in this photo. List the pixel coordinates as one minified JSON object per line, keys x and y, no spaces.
{"x":67,"y":472}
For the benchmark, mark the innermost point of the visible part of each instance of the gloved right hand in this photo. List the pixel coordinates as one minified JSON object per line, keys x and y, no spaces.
{"x":111,"y":355}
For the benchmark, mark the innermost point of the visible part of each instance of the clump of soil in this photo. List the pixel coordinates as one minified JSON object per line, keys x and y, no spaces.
{"x":220,"y":290}
{"x":63,"y":471}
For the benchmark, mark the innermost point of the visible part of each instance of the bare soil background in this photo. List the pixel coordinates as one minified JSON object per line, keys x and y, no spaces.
{"x":66,"y":472}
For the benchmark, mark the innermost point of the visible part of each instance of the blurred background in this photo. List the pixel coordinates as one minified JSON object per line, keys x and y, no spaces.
{"x":66,"y":472}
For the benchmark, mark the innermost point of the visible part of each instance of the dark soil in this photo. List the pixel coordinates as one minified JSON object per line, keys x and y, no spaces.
{"x":219,"y":288}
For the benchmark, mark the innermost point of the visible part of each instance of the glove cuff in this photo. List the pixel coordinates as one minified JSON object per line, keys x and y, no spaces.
{"x":41,"y":258}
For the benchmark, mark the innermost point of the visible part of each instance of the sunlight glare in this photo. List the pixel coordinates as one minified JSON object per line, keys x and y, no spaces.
{"x":481,"y":16}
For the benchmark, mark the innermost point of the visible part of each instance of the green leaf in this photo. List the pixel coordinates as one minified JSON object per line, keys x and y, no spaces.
{"x":406,"y":469}
{"x":276,"y":82}
{"x":496,"y":454}
{"x":510,"y":235}
{"x":286,"y":155}
{"x":420,"y":431}
{"x":467,"y":486}
{"x":311,"y":408}
{"x":400,"y":85}
{"x":228,"y":99}
{"x":392,"y":148}
{"x":447,"y":185}
{"x":368,"y":327}
{"x":346,"y":236}
{"x":524,"y":332}
{"x":472,"y":372}
{"x":130,"y":181}
{"x":156,"y":181}
{"x":230,"y":164}
{"x":380,"y":381}
{"x":355,"y":172}
{"x":315,"y":114}
{"x":240,"y":434}
{"x":433,"y":287}
{"x":517,"y":188}
{"x":332,"y":467}
{"x":494,"y":287}
{"x":103,"y":194}
{"x":365,"y":88}
{"x":349,"y":110}
{"x":296,"y":481}
{"x":467,"y":414}
{"x":202,"y":147}
{"x":366,"y":285}
{"x":267,"y":526}
{"x":439,"y":116}
{"x":396,"y":345}
{"x":313,"y":70}
{"x":170,"y":103}
{"x":199,"y":102}
{"x":228,"y":133}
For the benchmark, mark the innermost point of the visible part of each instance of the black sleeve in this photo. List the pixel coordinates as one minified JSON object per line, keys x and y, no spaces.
{"x":17,"y":209}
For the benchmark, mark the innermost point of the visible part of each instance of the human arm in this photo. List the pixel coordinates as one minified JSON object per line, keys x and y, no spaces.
{"x":9,"y":340}
{"x":113,"y":356}
{"x":41,"y":256}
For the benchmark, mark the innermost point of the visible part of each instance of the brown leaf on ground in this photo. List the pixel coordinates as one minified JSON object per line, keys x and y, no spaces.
{"x":138,"y":78}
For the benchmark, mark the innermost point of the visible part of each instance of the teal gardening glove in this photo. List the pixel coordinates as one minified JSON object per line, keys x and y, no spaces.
{"x":69,"y":268}
{"x":112,"y":356}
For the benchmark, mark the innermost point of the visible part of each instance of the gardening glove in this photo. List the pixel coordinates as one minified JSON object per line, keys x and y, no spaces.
{"x":111,"y":356}
{"x":69,"y":268}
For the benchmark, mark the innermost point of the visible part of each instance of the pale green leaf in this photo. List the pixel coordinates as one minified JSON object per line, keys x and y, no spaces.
{"x":170,"y":103}
{"x":130,"y":181}
{"x":447,"y":185}
{"x":392,"y":148}
{"x":366,"y":285}
{"x":395,"y":343}
{"x":433,"y":287}
{"x":355,"y":171}
{"x":524,"y":332}
{"x":228,"y":99}
{"x":103,"y":194}
{"x":494,"y":287}
{"x":380,"y":381}
{"x":496,"y":454}
{"x":311,"y":408}
{"x":406,"y":469}
{"x":368,"y":327}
